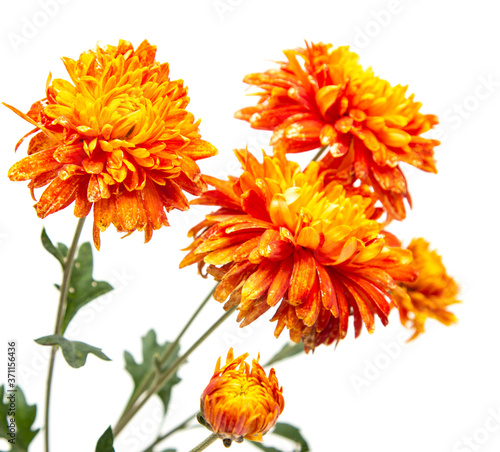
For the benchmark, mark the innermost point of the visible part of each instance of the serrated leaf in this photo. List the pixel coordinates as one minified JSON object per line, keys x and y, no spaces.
{"x":24,"y":417}
{"x":150,"y":350}
{"x":74,"y":352}
{"x":292,"y":433}
{"x":49,"y":246}
{"x":105,"y":443}
{"x":82,"y":287}
{"x":287,"y":351}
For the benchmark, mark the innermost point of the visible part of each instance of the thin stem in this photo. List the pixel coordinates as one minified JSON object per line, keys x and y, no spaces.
{"x":318,"y":154}
{"x":167,"y":374}
{"x":204,"y":444}
{"x":171,"y":432}
{"x":148,"y":380}
{"x":63,"y":295}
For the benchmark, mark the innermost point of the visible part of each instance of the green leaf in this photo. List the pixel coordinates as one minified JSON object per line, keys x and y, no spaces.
{"x":74,"y":352}
{"x":287,"y":351}
{"x":82,"y":287}
{"x":63,"y":249}
{"x":24,"y":417}
{"x":292,"y":433}
{"x":105,"y":443}
{"x":151,"y":351}
{"x":49,"y":246}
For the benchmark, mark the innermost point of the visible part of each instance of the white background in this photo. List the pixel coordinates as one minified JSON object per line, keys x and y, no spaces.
{"x":431,"y":394}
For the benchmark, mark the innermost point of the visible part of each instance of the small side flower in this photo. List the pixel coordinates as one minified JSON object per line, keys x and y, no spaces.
{"x":430,"y":295}
{"x":241,"y":402}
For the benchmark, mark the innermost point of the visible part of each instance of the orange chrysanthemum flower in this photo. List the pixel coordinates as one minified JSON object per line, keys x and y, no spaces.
{"x":330,"y":100}
{"x":431,"y":293}
{"x":117,"y":138}
{"x":284,"y":238}
{"x":241,"y":403}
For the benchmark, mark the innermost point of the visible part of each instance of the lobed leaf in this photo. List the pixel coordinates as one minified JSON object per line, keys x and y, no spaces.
{"x":24,"y":418}
{"x":151,"y":351}
{"x":74,"y":352}
{"x":82,"y":287}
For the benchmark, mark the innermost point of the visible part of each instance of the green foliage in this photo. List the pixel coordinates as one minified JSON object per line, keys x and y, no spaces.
{"x":287,"y":351}
{"x":74,"y":352}
{"x":57,"y":252}
{"x":151,"y":351}
{"x":286,"y":431}
{"x":24,"y":417}
{"x":292,"y":433}
{"x":82,"y":287}
{"x":105,"y":443}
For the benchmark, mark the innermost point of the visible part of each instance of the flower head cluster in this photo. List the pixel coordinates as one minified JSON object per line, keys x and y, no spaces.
{"x":240,"y":402}
{"x":283,"y":238}
{"x":430,"y":295}
{"x":321,"y":96}
{"x":118,"y":138}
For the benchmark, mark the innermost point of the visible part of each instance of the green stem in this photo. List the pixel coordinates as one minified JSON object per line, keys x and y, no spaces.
{"x":167,"y":374}
{"x":171,"y":432}
{"x":148,"y":380}
{"x":318,"y":154}
{"x":61,"y":309}
{"x":204,"y":444}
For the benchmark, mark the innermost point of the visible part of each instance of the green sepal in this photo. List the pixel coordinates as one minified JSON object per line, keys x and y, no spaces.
{"x":151,"y":351}
{"x":74,"y":352}
{"x":105,"y":443}
{"x":24,"y":418}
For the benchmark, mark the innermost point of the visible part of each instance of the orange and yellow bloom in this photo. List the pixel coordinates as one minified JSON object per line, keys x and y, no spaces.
{"x":241,"y":402}
{"x":322,"y":96}
{"x":430,"y":295}
{"x":117,"y":138}
{"x":283,"y":238}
